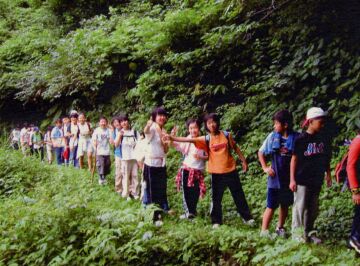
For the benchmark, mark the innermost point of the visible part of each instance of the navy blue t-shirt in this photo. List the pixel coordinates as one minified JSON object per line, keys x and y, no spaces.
{"x":313,"y":152}
{"x":280,"y":149}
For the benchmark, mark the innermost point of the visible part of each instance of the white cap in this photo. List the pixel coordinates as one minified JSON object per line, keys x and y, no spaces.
{"x":315,"y":112}
{"x":73,"y":112}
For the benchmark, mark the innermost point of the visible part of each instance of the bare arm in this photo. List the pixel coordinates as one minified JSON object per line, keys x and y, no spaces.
{"x":147,"y":127}
{"x":293,"y":165}
{"x":266,"y":169}
{"x":180,"y":139}
{"x":241,"y":157}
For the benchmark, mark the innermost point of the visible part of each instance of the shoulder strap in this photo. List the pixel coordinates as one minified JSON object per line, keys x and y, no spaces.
{"x":227,"y":136}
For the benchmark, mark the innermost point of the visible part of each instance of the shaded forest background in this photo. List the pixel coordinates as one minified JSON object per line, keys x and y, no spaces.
{"x":243,"y":59}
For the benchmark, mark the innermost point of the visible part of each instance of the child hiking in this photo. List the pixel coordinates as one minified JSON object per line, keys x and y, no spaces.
{"x":73,"y":139}
{"x":279,"y":145}
{"x":57,"y":138}
{"x":191,"y":173}
{"x":222,"y":167}
{"x":101,"y":142}
{"x":38,"y":143}
{"x":154,"y":172}
{"x":129,"y":167}
{"x":116,"y":141}
{"x":309,"y":163}
{"x":85,"y":146}
{"x":353,"y":171}
{"x":48,"y":145}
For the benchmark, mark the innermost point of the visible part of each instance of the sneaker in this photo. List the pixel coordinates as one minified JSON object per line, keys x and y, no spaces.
{"x":314,"y":239}
{"x":159,"y":223}
{"x":128,"y":199}
{"x":183,"y":216}
{"x":280,"y":231}
{"x":250,"y":222}
{"x":355,"y":244}
{"x":188,"y":216}
{"x":299,"y":239}
{"x":171,"y":212}
{"x":136,"y":197}
{"x":265,"y":234}
{"x":100,"y":182}
{"x":215,"y":226}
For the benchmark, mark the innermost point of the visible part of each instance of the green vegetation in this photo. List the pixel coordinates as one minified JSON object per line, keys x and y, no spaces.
{"x":56,"y":216}
{"x":243,"y":59}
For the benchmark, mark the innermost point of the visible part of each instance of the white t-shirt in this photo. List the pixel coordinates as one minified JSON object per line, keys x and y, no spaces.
{"x":84,"y":131}
{"x":102,"y":138}
{"x":25,"y":135}
{"x":155,"y":154}
{"x":74,"y":129}
{"x":128,"y":144}
{"x":140,"y":150}
{"x":15,"y":135}
{"x":189,"y":150}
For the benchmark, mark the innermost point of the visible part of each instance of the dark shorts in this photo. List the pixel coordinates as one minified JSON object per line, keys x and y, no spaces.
{"x":279,"y":196}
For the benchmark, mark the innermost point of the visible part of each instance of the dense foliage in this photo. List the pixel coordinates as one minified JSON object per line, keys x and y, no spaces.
{"x":244,"y":59}
{"x":52,"y":215}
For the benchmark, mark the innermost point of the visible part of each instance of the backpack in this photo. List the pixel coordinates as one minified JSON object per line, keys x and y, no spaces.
{"x":226,"y":133}
{"x":134,"y":136}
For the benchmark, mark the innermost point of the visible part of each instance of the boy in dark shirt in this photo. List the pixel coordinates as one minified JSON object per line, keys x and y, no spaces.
{"x":309,"y":162}
{"x":279,"y":144}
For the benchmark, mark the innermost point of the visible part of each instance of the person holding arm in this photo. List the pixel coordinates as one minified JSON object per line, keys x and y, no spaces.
{"x":222,"y":167}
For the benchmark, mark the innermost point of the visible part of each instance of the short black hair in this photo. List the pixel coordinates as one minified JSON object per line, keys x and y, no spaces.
{"x":49,"y":128}
{"x":25,"y":125}
{"x":59,"y":120}
{"x":74,"y":115}
{"x":284,"y":117}
{"x":193,"y":121}
{"x":115,"y":118}
{"x":214,"y":117}
{"x":123,"y":118}
{"x":158,"y":111}
{"x":103,"y":117}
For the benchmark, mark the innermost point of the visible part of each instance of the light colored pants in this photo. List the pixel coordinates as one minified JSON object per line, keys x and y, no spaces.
{"x":118,"y":175}
{"x":129,"y":169}
{"x":305,"y":209}
{"x":49,"y":151}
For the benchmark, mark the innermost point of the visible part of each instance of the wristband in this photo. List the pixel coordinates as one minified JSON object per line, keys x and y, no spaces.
{"x":355,"y":190}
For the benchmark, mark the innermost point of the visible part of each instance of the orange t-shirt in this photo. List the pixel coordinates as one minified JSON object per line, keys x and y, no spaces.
{"x":220,"y":159}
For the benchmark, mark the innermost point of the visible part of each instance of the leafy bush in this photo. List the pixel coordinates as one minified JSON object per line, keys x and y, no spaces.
{"x":55,"y":215}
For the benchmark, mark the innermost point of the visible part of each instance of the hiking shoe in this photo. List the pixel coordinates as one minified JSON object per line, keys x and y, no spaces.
{"x":250,"y":222}
{"x":159,"y":223}
{"x":101,"y":182}
{"x":188,"y":216}
{"x":215,"y":226}
{"x":171,"y":212}
{"x":314,"y":239}
{"x":280,"y":231}
{"x":355,"y":244}
{"x":183,"y":216}
{"x":136,"y":197}
{"x":128,"y":199}
{"x":299,"y":239}
{"x":265,"y":234}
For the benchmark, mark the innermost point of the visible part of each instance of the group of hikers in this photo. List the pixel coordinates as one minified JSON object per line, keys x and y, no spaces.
{"x":296,"y":165}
